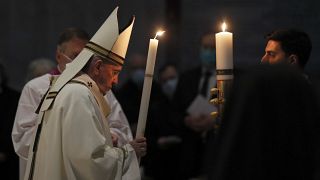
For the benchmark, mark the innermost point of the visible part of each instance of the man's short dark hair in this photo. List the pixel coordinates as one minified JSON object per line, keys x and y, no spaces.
{"x":293,"y":41}
{"x":70,"y":33}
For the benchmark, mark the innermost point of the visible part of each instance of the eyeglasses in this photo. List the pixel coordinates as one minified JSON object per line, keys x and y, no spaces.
{"x":115,"y":73}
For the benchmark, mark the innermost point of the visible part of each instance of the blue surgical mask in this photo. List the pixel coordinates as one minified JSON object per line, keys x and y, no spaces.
{"x":169,"y":87}
{"x":138,"y":77}
{"x":208,"y":57}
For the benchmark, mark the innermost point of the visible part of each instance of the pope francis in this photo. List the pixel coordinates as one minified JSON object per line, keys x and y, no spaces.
{"x":73,"y":140}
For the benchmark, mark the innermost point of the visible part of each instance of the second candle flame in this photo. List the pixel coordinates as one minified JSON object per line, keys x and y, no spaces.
{"x":159,"y":33}
{"x":224,"y":26}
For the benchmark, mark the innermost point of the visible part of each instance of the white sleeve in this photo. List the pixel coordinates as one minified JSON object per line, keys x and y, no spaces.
{"x":85,"y":149}
{"x":118,"y":122}
{"x":25,"y":119}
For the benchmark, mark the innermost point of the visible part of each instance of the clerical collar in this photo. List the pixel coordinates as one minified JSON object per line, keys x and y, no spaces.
{"x":55,"y":71}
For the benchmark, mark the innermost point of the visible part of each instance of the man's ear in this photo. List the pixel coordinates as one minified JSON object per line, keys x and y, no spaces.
{"x":293,"y":59}
{"x":97,"y":65}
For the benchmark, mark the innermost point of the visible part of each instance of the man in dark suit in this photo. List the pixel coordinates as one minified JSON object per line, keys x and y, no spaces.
{"x":195,"y":126}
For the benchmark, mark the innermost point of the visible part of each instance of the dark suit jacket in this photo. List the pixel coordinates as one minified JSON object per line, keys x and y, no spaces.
{"x":194,"y":145}
{"x":9,"y":165}
{"x":187,"y":88}
{"x":192,"y":142}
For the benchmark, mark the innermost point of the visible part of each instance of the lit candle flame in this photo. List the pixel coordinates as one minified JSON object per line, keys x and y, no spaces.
{"x":224,"y":26}
{"x":159,"y":33}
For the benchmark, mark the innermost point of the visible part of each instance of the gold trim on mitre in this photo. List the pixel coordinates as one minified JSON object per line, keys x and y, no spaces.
{"x":104,"y":53}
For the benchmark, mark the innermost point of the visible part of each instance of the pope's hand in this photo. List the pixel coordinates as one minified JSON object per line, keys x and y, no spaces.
{"x":140,"y":146}
{"x":114,"y":138}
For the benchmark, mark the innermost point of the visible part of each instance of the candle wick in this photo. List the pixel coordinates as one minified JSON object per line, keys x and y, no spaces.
{"x":155,"y":37}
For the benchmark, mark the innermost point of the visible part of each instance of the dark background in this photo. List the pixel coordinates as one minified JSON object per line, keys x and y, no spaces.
{"x":30,"y":28}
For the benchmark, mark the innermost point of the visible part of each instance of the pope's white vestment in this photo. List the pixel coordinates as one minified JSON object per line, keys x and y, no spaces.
{"x":25,"y":120}
{"x":75,"y":141}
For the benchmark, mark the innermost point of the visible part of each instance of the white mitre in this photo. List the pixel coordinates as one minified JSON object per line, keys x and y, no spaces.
{"x":108,"y":42}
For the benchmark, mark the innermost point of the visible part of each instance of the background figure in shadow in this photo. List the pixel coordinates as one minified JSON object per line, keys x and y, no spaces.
{"x":39,"y":67}
{"x":195,"y":127}
{"x":9,"y":162}
{"x":270,"y":127}
{"x":164,"y":145}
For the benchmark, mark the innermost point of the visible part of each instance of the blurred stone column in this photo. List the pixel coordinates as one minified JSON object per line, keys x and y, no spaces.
{"x":173,"y":25}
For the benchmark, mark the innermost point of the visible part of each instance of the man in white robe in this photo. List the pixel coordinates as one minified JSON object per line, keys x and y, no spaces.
{"x":71,"y":42}
{"x":73,"y":139}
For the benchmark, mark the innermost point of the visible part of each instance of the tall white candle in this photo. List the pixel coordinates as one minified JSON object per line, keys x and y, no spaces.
{"x":147,"y":84}
{"x":224,"y":53}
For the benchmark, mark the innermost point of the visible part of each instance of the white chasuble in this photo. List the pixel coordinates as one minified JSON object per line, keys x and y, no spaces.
{"x":75,"y":141}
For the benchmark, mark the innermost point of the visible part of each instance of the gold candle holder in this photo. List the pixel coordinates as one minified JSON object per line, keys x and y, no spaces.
{"x":221,"y":93}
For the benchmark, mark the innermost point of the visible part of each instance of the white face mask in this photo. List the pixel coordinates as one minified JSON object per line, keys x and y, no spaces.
{"x":67,"y":57}
{"x":169,"y":87}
